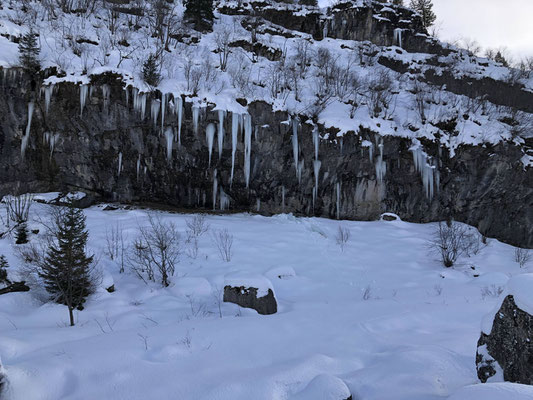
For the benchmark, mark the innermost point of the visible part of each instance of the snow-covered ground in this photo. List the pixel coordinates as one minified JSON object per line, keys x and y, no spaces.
{"x":382,"y":316}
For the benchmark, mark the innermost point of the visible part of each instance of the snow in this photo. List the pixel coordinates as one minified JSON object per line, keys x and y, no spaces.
{"x":249,"y":280}
{"x":494,"y":391}
{"x":421,"y":341}
{"x":324,"y":387}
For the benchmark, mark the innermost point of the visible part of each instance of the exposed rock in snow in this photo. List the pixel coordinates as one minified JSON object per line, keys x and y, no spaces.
{"x":506,"y":344}
{"x":250,"y":291}
{"x":494,"y":391}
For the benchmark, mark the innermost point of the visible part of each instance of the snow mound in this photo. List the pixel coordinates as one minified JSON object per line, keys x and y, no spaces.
{"x":281,"y":273}
{"x":248,"y":280}
{"x":324,"y":387}
{"x":195,"y":287}
{"x":389,"y":217}
{"x":494,"y":391}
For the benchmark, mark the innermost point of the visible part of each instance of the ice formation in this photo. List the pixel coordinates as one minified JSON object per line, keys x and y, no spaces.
{"x":424,"y":167}
{"x":26,"y":137}
{"x":316,"y":141}
{"x":283,"y":198}
{"x":139,"y":102}
{"x":119,"y":163}
{"x":224,"y":200}
{"x":155,"y":107}
{"x":179,"y":108}
{"x":48,"y":91}
{"x":398,"y":36}
{"x":221,"y":114}
{"x":164,"y":101}
{"x":195,"y":116}
{"x":316,"y":168}
{"x":235,"y":123}
{"x":381,"y":166}
{"x":169,"y":136}
{"x":138,"y":166}
{"x":209,"y":137}
{"x":295,"y":143}
{"x":84,"y":90}
{"x":247,"y":146}
{"x":215,"y":188}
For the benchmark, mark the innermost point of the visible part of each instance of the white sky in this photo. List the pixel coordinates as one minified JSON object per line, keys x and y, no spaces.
{"x":492,"y":23}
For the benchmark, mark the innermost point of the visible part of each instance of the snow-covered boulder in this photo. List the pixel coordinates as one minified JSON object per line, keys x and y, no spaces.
{"x":250,"y":291}
{"x":324,"y":387}
{"x":504,"y":347}
{"x":389,"y":217}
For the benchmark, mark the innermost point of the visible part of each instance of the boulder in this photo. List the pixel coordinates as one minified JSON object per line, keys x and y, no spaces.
{"x":504,"y":349}
{"x":3,"y":380}
{"x":253,"y":292}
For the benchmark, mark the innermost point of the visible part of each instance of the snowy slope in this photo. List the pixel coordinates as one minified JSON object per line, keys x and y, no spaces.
{"x":383,"y":317}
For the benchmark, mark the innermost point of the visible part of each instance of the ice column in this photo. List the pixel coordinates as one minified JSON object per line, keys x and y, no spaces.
{"x":210,"y":136}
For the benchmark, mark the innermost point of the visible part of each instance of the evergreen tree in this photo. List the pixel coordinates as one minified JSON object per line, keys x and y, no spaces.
{"x":21,"y":234}
{"x":397,"y":2}
{"x":425,"y":9}
{"x":151,"y":73}
{"x":29,"y":52}
{"x":3,"y":270}
{"x":500,"y":58}
{"x":66,"y":268}
{"x":200,"y":13}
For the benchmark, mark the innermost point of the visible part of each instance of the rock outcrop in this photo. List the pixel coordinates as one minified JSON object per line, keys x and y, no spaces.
{"x":506,"y":348}
{"x":251,"y":292}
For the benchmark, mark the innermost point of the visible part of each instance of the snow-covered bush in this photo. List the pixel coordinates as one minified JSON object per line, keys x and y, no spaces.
{"x":223,"y":239}
{"x":522,"y":256}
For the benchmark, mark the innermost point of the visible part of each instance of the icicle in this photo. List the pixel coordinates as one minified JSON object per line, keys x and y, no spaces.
{"x":221,"y":114}
{"x":169,"y":135}
{"x":247,"y":147}
{"x":300,"y":169}
{"x":155,"y":107}
{"x":224,"y":200}
{"x":83,"y":97}
{"x":283,"y":198}
{"x":316,"y":168}
{"x":52,"y":140}
{"x":138,"y":166}
{"x":426,"y":170}
{"x":215,"y":186}
{"x":48,"y":91}
{"x":106,"y":90}
{"x":398,"y":36}
{"x":295,"y":143}
{"x":179,"y":105}
{"x":257,"y":205}
{"x":209,"y":137}
{"x":316,"y":140}
{"x":127,"y":97}
{"x":381,"y":167}
{"x":195,"y":116}
{"x":163,"y":110}
{"x":338,"y":200}
{"x":235,"y":122}
{"x":26,"y":137}
{"x":119,"y":163}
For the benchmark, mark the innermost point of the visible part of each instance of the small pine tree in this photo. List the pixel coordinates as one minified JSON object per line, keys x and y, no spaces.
{"x":200,"y":14}
{"x":500,"y":58}
{"x":151,"y":73}
{"x":397,"y":2}
{"x":66,"y":268}
{"x":3,"y":270}
{"x":29,"y":52}
{"x":425,"y":9}
{"x":21,"y":234}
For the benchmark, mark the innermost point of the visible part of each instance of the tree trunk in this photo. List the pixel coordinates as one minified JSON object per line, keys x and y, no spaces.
{"x":71,"y":315}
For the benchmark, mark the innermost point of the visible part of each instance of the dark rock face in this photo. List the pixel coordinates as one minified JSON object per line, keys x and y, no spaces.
{"x":508,"y":346}
{"x":486,"y":187}
{"x":247,"y":298}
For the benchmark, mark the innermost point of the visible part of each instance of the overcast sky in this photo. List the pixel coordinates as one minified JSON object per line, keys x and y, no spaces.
{"x":492,"y":23}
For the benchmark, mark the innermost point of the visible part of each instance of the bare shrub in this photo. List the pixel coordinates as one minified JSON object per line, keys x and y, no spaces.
{"x":448,"y":242}
{"x":156,"y":251}
{"x":18,"y":208}
{"x":196,"y":226}
{"x":224,"y":241}
{"x":522,"y":256}
{"x":342,"y":237}
{"x":116,"y":247}
{"x":493,"y":291}
{"x":367,"y":293}
{"x":379,"y":93}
